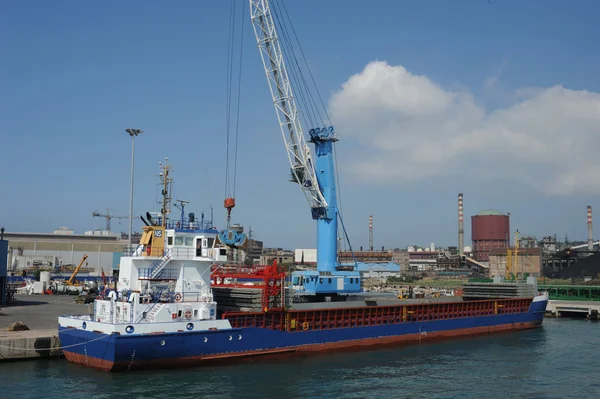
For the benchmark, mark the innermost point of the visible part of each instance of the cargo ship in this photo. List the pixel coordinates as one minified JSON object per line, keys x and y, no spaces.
{"x":178,"y":302}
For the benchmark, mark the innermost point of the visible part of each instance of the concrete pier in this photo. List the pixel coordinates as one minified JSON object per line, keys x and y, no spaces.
{"x":589,"y":309}
{"x":17,"y":345}
{"x":39,"y":313}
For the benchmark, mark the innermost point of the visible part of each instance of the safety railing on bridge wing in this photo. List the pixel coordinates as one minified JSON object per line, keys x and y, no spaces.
{"x":165,"y":274}
{"x":187,"y":225}
{"x":192,"y":296}
{"x":176,"y":252}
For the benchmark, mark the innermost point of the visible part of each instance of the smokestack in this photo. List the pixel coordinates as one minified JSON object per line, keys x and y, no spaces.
{"x":590,"y":239}
{"x":371,"y":232}
{"x":461,"y":231}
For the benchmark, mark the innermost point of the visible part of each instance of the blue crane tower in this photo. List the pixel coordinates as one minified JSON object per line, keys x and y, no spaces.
{"x":316,"y":179}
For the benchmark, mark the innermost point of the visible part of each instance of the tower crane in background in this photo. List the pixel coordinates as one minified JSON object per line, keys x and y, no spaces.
{"x":317,"y":177}
{"x":108,"y":217}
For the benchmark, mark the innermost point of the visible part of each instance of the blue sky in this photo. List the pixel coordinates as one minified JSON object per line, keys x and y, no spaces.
{"x":509,"y":88}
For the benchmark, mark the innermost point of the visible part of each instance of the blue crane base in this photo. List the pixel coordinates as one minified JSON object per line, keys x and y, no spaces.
{"x":315,"y":283}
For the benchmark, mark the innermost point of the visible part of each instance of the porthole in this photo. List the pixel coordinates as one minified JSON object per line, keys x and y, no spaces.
{"x":162,"y":342}
{"x":240,"y":337}
{"x":205,"y":339}
{"x":230,"y":338}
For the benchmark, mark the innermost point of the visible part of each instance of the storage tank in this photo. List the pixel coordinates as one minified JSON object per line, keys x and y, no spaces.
{"x":45,"y":277}
{"x":489,"y":229}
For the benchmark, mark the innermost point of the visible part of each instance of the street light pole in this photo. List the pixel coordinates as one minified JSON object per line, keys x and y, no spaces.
{"x":133,"y":133}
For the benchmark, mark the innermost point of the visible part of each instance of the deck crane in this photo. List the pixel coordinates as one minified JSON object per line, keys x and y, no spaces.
{"x":108,"y":217}
{"x":316,"y":179}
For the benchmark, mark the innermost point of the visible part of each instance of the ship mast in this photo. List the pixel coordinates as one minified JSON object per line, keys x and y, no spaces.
{"x":166,"y":191}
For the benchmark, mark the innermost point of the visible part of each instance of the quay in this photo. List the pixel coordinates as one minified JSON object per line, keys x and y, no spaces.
{"x":559,"y":308}
{"x":15,"y":345}
{"x":40,"y":313}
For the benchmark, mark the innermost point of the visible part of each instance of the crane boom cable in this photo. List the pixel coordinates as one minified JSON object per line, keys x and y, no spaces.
{"x":308,"y":114}
{"x":228,"y":91}
{"x":297,"y":78}
{"x":237,"y":122}
{"x":307,"y":66}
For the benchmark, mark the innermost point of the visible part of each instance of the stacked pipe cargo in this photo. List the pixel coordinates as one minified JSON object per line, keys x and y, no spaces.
{"x":482,"y":290}
{"x":238,"y":299}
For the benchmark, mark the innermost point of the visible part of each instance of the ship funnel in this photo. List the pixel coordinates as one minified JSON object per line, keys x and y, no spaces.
{"x":461,"y":231}
{"x":589,"y":220}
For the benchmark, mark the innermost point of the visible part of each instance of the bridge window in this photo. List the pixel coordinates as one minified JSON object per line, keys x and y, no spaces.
{"x":189,"y":241}
{"x":169,"y":240}
{"x":178,"y":240}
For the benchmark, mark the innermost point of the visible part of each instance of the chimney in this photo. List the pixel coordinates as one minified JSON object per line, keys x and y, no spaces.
{"x":371,"y":232}
{"x":590,"y":239}
{"x":461,"y":231}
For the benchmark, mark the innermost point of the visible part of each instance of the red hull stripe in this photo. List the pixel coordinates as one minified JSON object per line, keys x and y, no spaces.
{"x":105,"y":365}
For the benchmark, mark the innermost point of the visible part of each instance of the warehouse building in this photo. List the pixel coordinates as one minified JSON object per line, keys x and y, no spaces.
{"x":58,"y":250}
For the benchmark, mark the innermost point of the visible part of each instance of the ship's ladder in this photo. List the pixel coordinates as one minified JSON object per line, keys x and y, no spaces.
{"x":160,"y":263}
{"x":154,"y":311}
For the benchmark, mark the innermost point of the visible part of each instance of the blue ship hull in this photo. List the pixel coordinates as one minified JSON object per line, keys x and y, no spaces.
{"x":178,"y":349}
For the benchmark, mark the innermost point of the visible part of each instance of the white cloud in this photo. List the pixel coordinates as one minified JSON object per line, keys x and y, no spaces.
{"x":411,"y":128}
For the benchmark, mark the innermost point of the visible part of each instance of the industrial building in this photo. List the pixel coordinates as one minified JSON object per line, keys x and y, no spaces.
{"x":283,"y":256}
{"x":528,"y":261}
{"x":305,"y":256}
{"x":61,"y":248}
{"x":490,"y":229}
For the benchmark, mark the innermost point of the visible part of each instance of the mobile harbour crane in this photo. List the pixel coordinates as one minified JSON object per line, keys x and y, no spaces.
{"x":315,"y":178}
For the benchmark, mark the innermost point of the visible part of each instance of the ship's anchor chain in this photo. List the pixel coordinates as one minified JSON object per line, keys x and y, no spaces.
{"x":86,"y":356}
{"x":131,"y":362}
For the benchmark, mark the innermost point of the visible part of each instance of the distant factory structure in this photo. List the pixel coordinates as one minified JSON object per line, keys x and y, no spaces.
{"x":526,"y":261}
{"x":490,"y":229}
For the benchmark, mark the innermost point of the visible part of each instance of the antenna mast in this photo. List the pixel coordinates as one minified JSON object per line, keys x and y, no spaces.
{"x":166,"y":191}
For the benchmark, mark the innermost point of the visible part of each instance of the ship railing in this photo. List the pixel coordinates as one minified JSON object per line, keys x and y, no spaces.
{"x":155,"y":303}
{"x":189,"y":296}
{"x":186,"y":224}
{"x":176,"y":252}
{"x":185,"y":253}
{"x":165,"y":274}
{"x":133,"y":250}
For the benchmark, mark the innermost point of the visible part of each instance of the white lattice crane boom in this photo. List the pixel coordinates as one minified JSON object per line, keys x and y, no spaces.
{"x":299,"y":155}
